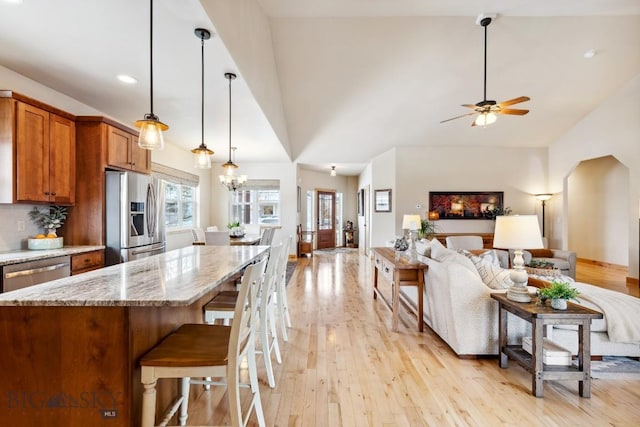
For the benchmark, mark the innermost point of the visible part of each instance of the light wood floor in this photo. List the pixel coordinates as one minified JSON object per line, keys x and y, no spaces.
{"x":343,"y":366}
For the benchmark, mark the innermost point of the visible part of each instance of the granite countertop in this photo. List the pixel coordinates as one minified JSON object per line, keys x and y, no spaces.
{"x":14,"y":257}
{"x":175,"y":278}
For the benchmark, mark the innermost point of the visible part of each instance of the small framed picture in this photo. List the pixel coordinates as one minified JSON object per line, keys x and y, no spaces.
{"x":383,"y":200}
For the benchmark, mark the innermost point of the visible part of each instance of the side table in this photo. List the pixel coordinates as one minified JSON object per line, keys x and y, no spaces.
{"x":538,"y":316}
{"x":399,"y":272}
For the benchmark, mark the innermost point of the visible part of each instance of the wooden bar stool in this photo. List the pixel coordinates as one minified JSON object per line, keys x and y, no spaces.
{"x":201,"y":350}
{"x":219,"y":308}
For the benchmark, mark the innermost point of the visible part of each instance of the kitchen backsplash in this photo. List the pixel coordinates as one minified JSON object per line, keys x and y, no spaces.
{"x":11,"y":217}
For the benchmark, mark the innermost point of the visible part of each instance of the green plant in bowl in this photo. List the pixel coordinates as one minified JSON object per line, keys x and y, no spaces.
{"x":558,"y":292}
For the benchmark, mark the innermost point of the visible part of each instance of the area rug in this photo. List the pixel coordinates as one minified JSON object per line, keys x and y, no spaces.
{"x":335,"y":250}
{"x":615,"y":368}
{"x":291,"y":267}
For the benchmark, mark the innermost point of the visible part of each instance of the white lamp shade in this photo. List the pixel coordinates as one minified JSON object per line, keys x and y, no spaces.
{"x":517,"y":232}
{"x":411,"y":222}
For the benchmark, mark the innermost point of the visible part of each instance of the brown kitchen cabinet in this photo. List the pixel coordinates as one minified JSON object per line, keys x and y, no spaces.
{"x":44,"y":153}
{"x":123,"y":151}
{"x":101,"y":144}
{"x":87,"y":261}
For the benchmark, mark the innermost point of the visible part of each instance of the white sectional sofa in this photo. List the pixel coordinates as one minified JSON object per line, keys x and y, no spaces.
{"x":458,"y":307}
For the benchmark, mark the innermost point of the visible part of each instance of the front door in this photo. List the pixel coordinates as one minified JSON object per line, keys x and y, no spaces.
{"x":326,"y":233}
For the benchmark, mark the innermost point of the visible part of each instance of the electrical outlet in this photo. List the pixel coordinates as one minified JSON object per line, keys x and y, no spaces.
{"x":20,"y":225}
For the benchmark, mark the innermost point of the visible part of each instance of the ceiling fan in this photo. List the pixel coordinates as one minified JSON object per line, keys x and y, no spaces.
{"x":487,"y":108}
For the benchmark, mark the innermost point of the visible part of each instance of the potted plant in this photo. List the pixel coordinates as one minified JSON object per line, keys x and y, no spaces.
{"x":235,"y":229}
{"x":427,"y":229}
{"x":50,"y":219}
{"x":558,"y":292}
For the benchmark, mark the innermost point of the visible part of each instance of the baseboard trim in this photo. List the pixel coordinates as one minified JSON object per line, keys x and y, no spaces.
{"x":632,"y":281}
{"x":603,"y":264}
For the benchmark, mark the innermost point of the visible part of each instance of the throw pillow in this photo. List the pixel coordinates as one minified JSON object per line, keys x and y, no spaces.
{"x":541,"y":253}
{"x":493,"y":276}
{"x":423,"y":247}
{"x":442,"y":254}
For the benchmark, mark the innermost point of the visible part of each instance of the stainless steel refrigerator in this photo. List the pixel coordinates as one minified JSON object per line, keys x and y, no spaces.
{"x":134,"y":216}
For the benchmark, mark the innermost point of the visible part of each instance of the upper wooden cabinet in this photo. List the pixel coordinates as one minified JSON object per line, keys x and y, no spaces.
{"x":123,"y":151}
{"x":39,"y":144}
{"x":101,"y":144}
{"x":45,"y":156}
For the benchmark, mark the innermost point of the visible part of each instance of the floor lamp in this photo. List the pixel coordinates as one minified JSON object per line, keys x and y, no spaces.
{"x":543,"y":198}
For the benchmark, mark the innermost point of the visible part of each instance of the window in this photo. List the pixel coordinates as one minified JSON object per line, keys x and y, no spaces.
{"x":180,"y":196}
{"x":179,"y":205}
{"x":258,"y":202}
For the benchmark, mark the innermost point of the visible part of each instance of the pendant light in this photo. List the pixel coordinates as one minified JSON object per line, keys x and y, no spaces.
{"x":203,"y":154}
{"x":151,"y":127}
{"x":333,"y":171}
{"x":229,"y":180}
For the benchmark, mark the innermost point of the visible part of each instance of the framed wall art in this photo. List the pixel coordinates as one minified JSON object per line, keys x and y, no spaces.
{"x":361,"y":202}
{"x":466,"y":204}
{"x":382,"y":200}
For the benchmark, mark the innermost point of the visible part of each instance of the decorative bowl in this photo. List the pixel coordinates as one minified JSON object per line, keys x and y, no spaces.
{"x":42,"y":244}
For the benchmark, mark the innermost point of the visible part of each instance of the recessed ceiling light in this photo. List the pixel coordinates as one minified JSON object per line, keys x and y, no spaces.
{"x":127,"y":79}
{"x":589,"y":54}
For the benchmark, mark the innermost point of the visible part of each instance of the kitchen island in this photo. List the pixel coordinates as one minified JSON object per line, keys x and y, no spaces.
{"x":71,"y":346}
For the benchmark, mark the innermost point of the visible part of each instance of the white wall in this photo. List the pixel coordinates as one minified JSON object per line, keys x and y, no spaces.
{"x":383,"y":176}
{"x":284,"y":172}
{"x":518,"y":172}
{"x":611,"y":129}
{"x":598,"y":206}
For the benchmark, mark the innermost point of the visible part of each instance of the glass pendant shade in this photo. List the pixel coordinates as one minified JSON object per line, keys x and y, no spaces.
{"x":151,"y":137}
{"x":202,"y":153}
{"x":202,"y":157}
{"x":151,"y":127}
{"x":485,"y":119}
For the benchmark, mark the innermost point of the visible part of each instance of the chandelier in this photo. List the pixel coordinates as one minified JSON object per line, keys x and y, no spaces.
{"x":231,"y":181}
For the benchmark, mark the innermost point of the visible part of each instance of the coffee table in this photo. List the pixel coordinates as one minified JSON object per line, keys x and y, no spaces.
{"x":539,"y":316}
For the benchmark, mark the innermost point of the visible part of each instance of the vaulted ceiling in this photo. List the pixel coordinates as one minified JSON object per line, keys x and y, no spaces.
{"x":325,"y":82}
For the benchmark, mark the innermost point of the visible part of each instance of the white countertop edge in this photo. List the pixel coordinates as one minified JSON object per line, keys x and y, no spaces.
{"x":26,"y":255}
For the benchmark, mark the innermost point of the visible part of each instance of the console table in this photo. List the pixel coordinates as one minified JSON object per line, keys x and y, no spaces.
{"x":399,"y":272}
{"x":540,"y":315}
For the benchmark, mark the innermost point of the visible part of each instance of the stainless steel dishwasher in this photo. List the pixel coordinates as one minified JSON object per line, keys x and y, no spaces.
{"x":21,"y":275}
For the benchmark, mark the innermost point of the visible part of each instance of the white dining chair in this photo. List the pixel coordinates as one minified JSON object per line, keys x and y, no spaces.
{"x":216,"y":238}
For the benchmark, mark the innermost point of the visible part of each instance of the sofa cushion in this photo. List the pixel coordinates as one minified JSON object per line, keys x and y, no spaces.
{"x":492,"y":275}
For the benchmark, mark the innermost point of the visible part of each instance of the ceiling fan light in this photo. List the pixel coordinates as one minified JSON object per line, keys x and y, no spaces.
{"x":485,"y":119}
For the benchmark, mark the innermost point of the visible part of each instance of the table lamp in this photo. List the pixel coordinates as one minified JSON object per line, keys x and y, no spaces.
{"x":517,"y":232}
{"x":412,"y":223}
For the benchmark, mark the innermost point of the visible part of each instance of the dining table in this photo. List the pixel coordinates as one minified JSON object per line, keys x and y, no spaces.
{"x":244,"y":240}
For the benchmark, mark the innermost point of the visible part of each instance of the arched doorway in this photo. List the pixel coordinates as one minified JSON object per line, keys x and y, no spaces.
{"x":598,"y":211}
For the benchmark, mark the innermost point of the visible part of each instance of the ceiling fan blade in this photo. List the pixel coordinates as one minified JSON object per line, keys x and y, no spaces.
{"x":459,"y":117}
{"x":513,"y":101}
{"x":514,"y":111}
{"x":469,"y":105}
